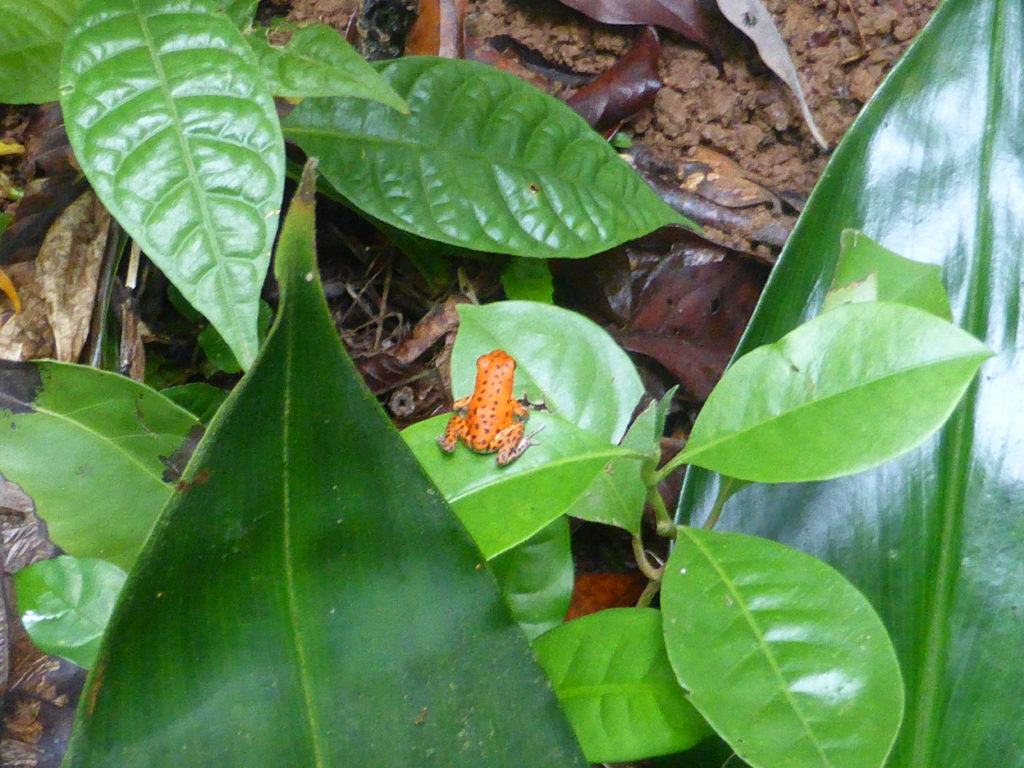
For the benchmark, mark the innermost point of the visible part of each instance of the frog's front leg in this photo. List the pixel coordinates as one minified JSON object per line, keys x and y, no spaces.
{"x":510,"y":443}
{"x":456,"y":428}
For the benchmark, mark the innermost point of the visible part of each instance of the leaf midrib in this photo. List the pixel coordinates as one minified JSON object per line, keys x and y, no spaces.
{"x":818,"y":402}
{"x":773,"y":663}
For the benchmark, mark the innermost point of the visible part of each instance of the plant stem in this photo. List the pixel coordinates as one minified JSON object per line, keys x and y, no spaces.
{"x":727,"y":487}
{"x":666,"y":526}
{"x":648,"y":570}
{"x":670,"y":466}
{"x":652,"y":588}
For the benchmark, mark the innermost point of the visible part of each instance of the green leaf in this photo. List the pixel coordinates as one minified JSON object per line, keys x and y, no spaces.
{"x":219,"y":357}
{"x":868,"y":272}
{"x":96,"y":452}
{"x":612,"y":677}
{"x":198,"y":398}
{"x":504,"y":506}
{"x":308,"y":599}
{"x":842,"y":393}
{"x":527,"y":280}
{"x":241,"y":12}
{"x":65,"y":604}
{"x":564,"y":360}
{"x":935,"y":538}
{"x":484,"y":161}
{"x":317,"y":61}
{"x":536,"y":579}
{"x":31,"y":38}
{"x":5,"y":221}
{"x":176,"y":131}
{"x":786,"y":660}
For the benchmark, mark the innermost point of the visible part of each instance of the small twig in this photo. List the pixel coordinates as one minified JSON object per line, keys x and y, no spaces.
{"x":648,"y":570}
{"x":856,"y":24}
{"x":647,"y":596}
{"x":131,"y":279}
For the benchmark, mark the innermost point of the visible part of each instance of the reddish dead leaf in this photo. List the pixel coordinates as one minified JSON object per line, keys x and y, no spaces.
{"x":437,"y":30}
{"x":509,"y":55}
{"x":628,"y":86}
{"x":673,"y":296}
{"x":595,"y":592}
{"x":687,"y":17}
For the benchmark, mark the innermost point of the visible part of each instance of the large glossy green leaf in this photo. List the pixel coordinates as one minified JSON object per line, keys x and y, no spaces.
{"x":504,"y":506}
{"x":308,"y":598}
{"x":842,"y":393}
{"x":175,"y":128}
{"x":31,"y":40}
{"x":65,"y":604}
{"x":537,"y":577}
{"x":484,"y":161}
{"x":317,"y":61}
{"x":932,"y":170}
{"x":96,"y":452}
{"x":613,"y":678}
{"x":786,"y":660}
{"x":563,"y":360}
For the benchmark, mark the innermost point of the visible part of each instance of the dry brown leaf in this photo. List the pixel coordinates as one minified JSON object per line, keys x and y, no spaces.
{"x":8,"y":289}
{"x":26,"y":335}
{"x":67,"y":270}
{"x":438,"y":29}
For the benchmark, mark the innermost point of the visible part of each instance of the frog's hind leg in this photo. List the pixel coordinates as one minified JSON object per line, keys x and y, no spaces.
{"x":511,"y":443}
{"x":456,"y":427}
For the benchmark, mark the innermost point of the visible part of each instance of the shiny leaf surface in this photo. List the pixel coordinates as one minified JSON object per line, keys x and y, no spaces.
{"x":612,"y":676}
{"x":31,"y":40}
{"x":786,"y":660}
{"x":484,"y":161}
{"x":317,"y":61}
{"x":892,"y":277}
{"x":308,"y":599}
{"x":176,"y":131}
{"x":842,"y":393}
{"x":536,"y":579}
{"x":98,"y":453}
{"x":65,"y":604}
{"x":563,"y":360}
{"x":504,"y":506}
{"x":933,"y":171}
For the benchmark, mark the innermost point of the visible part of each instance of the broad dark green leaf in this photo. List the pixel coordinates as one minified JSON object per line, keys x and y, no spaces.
{"x":868,"y":272}
{"x":932,"y":170}
{"x":842,"y":393}
{"x":484,"y":161}
{"x":219,"y":357}
{"x":613,"y":679}
{"x":65,"y":604}
{"x":175,"y":128}
{"x":786,"y":660}
{"x":563,"y":360}
{"x":198,"y":398}
{"x":308,"y":599}
{"x":504,"y":506}
{"x":241,"y":12}
{"x":536,"y":579}
{"x":317,"y":61}
{"x":31,"y":39}
{"x":97,"y":452}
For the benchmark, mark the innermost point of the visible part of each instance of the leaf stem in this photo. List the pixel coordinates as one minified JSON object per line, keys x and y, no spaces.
{"x":670,"y":466}
{"x":726,"y":489}
{"x":652,"y":589}
{"x":666,"y":526}
{"x":648,"y":570}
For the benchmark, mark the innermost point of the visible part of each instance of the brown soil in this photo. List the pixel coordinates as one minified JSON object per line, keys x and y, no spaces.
{"x":745,"y":113}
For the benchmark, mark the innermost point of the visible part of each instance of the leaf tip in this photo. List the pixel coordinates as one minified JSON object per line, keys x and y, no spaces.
{"x":307,"y":184}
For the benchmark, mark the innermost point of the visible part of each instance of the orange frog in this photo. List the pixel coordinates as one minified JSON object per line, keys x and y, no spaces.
{"x":490,"y":419}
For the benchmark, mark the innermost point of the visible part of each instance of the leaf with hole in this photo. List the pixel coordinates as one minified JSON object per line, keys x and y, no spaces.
{"x":536,"y":578}
{"x":788,"y":662}
{"x":65,"y":604}
{"x":483,"y":161}
{"x":98,"y":453}
{"x":308,"y":575}
{"x":613,"y":679}
{"x":842,"y":393}
{"x":317,"y":61}
{"x":173,"y":125}
{"x":31,"y":39}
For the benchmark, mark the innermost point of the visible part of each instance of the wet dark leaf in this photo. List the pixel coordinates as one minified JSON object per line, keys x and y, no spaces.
{"x":628,"y":86}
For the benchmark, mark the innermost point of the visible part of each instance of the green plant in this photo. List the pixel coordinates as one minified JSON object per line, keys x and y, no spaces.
{"x":269,"y":600}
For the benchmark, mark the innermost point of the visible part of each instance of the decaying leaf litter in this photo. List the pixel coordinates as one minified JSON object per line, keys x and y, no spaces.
{"x":722,"y":141}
